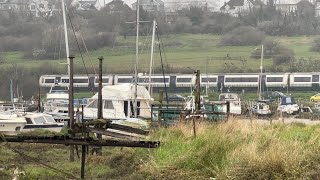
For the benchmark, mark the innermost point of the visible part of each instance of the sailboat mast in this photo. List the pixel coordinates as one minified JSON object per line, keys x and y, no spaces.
{"x":261,"y":69}
{"x":152,"y":49}
{"x":65,"y":34}
{"x":136,"y":64}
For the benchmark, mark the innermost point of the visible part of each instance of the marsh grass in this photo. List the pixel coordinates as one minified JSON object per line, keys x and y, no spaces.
{"x":239,"y":150}
{"x":233,"y":149}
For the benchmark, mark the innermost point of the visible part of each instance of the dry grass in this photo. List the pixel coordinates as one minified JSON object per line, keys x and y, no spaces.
{"x":239,"y":150}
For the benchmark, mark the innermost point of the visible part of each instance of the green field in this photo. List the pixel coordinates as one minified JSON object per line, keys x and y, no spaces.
{"x":199,"y":51}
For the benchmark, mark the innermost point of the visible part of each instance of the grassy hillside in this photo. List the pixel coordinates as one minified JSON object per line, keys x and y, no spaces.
{"x":181,"y":51}
{"x":230,"y":150}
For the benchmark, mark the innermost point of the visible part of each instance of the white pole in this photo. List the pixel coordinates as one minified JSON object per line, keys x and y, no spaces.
{"x":151,"y":58}
{"x":136,"y":64}
{"x":65,"y":33}
{"x":261,"y":68}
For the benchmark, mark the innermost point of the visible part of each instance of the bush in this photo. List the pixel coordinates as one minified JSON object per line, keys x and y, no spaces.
{"x":272,"y":49}
{"x":243,"y":36}
{"x":284,"y":56}
{"x":100,"y":40}
{"x":316,"y":45}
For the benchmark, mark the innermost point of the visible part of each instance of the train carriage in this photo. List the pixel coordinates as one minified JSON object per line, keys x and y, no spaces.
{"x":276,"y":80}
{"x":241,"y":80}
{"x":106,"y":81}
{"x":156,"y":81}
{"x":209,"y":81}
{"x":123,"y":79}
{"x":185,"y":80}
{"x":301,"y":80}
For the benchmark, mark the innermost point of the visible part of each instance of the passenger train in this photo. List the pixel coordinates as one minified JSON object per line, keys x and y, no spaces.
{"x":185,"y":82}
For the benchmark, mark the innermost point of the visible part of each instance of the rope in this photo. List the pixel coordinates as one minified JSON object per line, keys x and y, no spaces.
{"x":85,"y":45}
{"x":164,"y":79}
{"x":75,"y":36}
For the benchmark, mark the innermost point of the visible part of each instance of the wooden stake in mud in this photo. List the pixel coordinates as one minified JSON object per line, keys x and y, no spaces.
{"x":71,"y":107}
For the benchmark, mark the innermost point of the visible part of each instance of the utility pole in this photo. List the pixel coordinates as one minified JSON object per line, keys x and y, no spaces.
{"x":71,"y":107}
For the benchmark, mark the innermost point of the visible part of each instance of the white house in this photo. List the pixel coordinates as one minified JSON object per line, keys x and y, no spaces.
{"x":236,"y":7}
{"x":84,"y":4}
{"x":40,"y":8}
{"x":149,"y":5}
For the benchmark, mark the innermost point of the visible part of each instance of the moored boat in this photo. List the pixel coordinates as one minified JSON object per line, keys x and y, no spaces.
{"x":11,"y":124}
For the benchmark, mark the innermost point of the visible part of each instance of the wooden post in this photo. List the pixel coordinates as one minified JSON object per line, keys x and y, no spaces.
{"x":39,"y":98}
{"x":71,"y":108}
{"x":194,"y":128}
{"x":100,"y":107}
{"x":198,"y":91}
{"x":100,"y":113}
{"x":83,"y":161}
{"x":228,"y":110}
{"x":160,"y":107}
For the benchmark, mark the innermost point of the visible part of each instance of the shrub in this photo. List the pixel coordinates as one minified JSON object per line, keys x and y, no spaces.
{"x":243,"y":36}
{"x":316,"y":45}
{"x":272,"y":49}
{"x":284,"y":56}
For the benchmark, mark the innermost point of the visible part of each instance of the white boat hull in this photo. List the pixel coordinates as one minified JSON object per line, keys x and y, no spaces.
{"x":49,"y":127}
{"x":10,"y":127}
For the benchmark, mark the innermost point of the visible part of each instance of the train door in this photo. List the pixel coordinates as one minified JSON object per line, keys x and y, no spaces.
{"x":91,"y":82}
{"x":173,"y":82}
{"x":315,"y":82}
{"x":263,"y":83}
{"x":57,"y":80}
{"x":220,"y":85}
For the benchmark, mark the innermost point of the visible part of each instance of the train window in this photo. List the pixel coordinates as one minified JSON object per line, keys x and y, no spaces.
{"x":104,"y":80}
{"x":315,"y":78}
{"x":242,"y":79}
{"x":159,"y":80}
{"x":125,"y":80}
{"x":108,"y":105}
{"x":209,"y":80}
{"x":49,"y":81}
{"x":183,"y":80}
{"x":80,"y":81}
{"x":302,"y":79}
{"x":274,"y":79}
{"x":65,"y":80}
{"x":144,"y":80}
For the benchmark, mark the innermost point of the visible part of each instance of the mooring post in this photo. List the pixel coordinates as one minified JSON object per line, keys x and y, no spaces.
{"x":100,"y":114}
{"x":83,"y":161}
{"x":198,"y":92}
{"x":71,"y":107}
{"x":39,"y":98}
{"x":100,"y":108}
{"x":160,"y":106}
{"x":228,"y":110}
